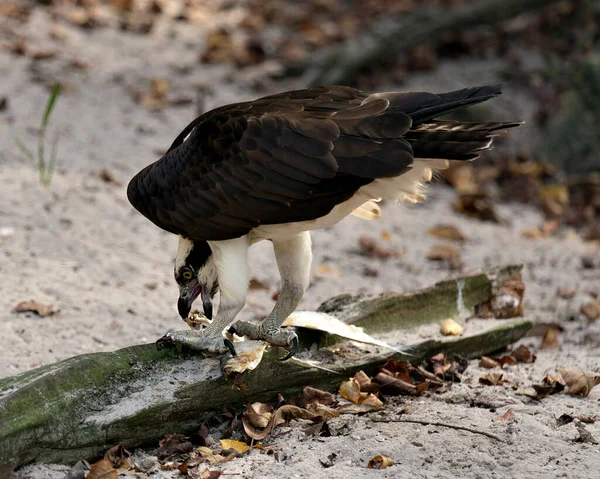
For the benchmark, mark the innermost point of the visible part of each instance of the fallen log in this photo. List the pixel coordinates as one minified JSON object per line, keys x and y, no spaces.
{"x":79,"y":407}
{"x":393,"y":34}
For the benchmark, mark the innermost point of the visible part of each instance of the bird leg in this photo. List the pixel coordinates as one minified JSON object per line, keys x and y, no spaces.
{"x":231,"y":261}
{"x":294,"y":257}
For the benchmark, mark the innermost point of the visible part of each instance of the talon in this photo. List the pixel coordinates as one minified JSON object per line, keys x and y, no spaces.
{"x":164,"y":342}
{"x":293,"y":349}
{"x":229,"y":345}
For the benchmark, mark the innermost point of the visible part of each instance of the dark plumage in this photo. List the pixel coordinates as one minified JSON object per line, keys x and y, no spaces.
{"x":294,"y":156}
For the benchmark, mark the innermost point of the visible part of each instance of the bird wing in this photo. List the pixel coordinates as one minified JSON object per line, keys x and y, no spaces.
{"x":294,"y":156}
{"x":282,"y":158}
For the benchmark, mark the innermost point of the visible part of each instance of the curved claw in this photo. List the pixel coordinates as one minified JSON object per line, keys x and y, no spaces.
{"x":164,"y":342}
{"x":229,"y":345}
{"x":293,"y":349}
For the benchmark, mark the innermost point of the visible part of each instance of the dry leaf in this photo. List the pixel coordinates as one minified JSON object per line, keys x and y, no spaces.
{"x":565,"y":293}
{"x":366,"y":385}
{"x":103,"y":469}
{"x":488,"y":363}
{"x":492,"y":379}
{"x":529,"y":392}
{"x":554,"y":199}
{"x":532,"y":233}
{"x":476,"y":205}
{"x":447,"y":232}
{"x":42,"y":310}
{"x":325,"y":271}
{"x":159,"y":88}
{"x":523,"y":354}
{"x":107,"y":176}
{"x":173,"y":444}
{"x":119,"y":457}
{"x":311,"y":395}
{"x":540,"y":329}
{"x":287,"y":413}
{"x":154,"y":99}
{"x":446,"y":369}
{"x":350,"y":390}
{"x":446,"y":252}
{"x":401,"y":377}
{"x":449,"y":327}
{"x":509,"y":414}
{"x":259,"y":414}
{"x":386,"y":235}
{"x":257,"y":419}
{"x":550,"y":339}
{"x":547,"y":229}
{"x":208,"y":456}
{"x":396,"y":386}
{"x":591,"y":310}
{"x":506,"y":360}
{"x":579,"y":383}
{"x":238,"y":446}
{"x":321,"y":412}
{"x":550,"y":385}
{"x":371,"y":249}
{"x":380,"y":462}
{"x":569,"y":418}
{"x":42,"y":54}
{"x":461,"y":176}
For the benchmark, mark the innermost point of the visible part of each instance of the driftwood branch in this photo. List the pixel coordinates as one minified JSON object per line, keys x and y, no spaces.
{"x":79,"y":407}
{"x":392,"y":35}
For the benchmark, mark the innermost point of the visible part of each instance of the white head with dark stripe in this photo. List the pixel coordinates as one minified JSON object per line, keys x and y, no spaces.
{"x":196,"y":275}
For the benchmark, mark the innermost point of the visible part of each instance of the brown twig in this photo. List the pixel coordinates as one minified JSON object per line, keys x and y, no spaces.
{"x":441,"y":424}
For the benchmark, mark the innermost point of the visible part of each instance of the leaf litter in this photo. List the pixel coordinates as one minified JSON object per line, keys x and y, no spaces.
{"x":33,"y":306}
{"x":359,"y":394}
{"x":380,"y":462}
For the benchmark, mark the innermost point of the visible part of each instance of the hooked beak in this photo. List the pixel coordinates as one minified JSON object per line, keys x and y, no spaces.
{"x":187,"y":298}
{"x":207,"y":303}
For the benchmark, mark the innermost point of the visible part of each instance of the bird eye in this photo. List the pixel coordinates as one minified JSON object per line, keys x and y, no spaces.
{"x":187,"y":274}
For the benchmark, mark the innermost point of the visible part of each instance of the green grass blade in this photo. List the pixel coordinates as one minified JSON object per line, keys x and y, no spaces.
{"x":26,"y":151}
{"x":50,"y":169}
{"x":50,"y":105}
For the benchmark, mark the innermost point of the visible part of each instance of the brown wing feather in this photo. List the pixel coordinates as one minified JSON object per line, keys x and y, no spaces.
{"x":290,"y":157}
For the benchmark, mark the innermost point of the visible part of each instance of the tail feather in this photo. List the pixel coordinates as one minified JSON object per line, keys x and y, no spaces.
{"x":451,"y":125}
{"x":387,"y":129}
{"x":424,"y":106}
{"x":453,"y":140}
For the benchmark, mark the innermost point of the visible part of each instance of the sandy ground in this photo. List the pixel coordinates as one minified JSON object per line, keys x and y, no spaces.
{"x":81,"y":247}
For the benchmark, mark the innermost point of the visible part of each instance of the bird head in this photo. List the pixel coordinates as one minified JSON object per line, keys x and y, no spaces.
{"x":196,"y":275}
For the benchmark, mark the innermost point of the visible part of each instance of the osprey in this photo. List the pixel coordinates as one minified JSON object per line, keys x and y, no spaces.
{"x":280,"y":166}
